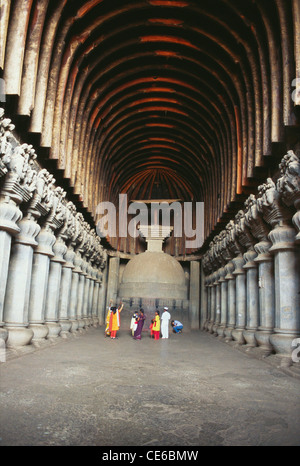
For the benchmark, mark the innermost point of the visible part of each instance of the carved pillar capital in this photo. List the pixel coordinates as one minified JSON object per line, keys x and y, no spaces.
{"x":269,"y":203}
{"x":289,"y":185}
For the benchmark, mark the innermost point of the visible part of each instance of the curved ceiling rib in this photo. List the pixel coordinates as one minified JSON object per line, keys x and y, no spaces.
{"x":131,"y":95}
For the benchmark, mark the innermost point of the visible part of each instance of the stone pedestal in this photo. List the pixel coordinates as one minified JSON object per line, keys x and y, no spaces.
{"x":252,"y":299}
{"x":287,"y":297}
{"x":240,"y":300}
{"x":19,"y":277}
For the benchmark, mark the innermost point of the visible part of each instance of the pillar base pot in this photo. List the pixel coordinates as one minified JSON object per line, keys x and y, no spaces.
{"x":221,"y":331}
{"x":81,"y":325}
{"x":95,"y":322}
{"x":228,"y":333}
{"x":249,"y":336}
{"x":210,"y":327}
{"x":263,"y":340}
{"x":65,"y":328}
{"x":215,"y":329}
{"x":74,"y":326}
{"x":18,"y":337}
{"x":40,"y":332}
{"x":237,"y":335}
{"x":3,"y":334}
{"x":54,"y":330}
{"x":282,"y":344}
{"x":86,"y":322}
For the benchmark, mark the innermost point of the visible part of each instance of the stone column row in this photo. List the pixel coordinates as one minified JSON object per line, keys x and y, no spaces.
{"x":51,"y":260}
{"x":251,"y":268}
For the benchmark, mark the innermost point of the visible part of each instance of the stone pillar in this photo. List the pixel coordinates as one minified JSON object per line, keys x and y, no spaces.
{"x":95,"y":298}
{"x":203,"y":296}
{"x":231,"y":305}
{"x":286,"y":268}
{"x":53,"y":289}
{"x":82,"y":275}
{"x":194,"y":294}
{"x":75,"y":293}
{"x":266,"y":290}
{"x":10,"y":214}
{"x":65,"y":293}
{"x":217,"y":304}
{"x":213,"y":286}
{"x":103,"y":275}
{"x":113,"y":280}
{"x":207,"y":307}
{"x":39,"y":283}
{"x":252,"y":298}
{"x":264,"y":260}
{"x":224,"y":300}
{"x":287,"y":297}
{"x":86,"y":295}
{"x":19,"y":276}
{"x":42,"y":202}
{"x":91,"y":293}
{"x":240,"y":299}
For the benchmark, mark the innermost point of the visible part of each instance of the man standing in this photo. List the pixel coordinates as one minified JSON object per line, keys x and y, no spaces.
{"x":165,"y":318}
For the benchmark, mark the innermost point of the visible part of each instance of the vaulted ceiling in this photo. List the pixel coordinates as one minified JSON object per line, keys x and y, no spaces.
{"x":154,"y":98}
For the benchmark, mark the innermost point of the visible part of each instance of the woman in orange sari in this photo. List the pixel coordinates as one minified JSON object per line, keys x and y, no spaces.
{"x":114,"y":320}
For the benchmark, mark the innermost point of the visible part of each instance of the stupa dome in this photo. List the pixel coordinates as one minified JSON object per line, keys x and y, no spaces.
{"x":153,"y":275}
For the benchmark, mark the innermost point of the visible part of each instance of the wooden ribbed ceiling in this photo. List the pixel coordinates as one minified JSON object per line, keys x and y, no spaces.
{"x":191,"y":96}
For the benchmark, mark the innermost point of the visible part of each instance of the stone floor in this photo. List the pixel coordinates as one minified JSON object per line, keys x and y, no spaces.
{"x":190,"y":390}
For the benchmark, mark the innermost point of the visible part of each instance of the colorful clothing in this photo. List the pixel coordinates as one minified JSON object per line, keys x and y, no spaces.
{"x":156,"y":327}
{"x":140,"y":325}
{"x":113,"y":321}
{"x":177,"y":326}
{"x":133,"y":323}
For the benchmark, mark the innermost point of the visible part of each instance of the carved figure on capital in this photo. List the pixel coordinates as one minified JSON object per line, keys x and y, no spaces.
{"x":270,"y":205}
{"x":289,"y":185}
{"x":6,"y":142}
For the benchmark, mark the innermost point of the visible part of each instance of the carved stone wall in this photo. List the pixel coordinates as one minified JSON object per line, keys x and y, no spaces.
{"x":51,"y":259}
{"x":259,"y":250}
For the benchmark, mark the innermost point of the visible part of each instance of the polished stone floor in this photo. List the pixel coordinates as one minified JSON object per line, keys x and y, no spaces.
{"x":189,"y":390}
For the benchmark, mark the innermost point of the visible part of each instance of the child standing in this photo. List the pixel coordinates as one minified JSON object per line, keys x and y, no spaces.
{"x":151,"y":328}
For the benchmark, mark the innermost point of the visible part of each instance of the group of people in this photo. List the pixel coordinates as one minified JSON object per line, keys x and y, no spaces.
{"x":159,"y":324}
